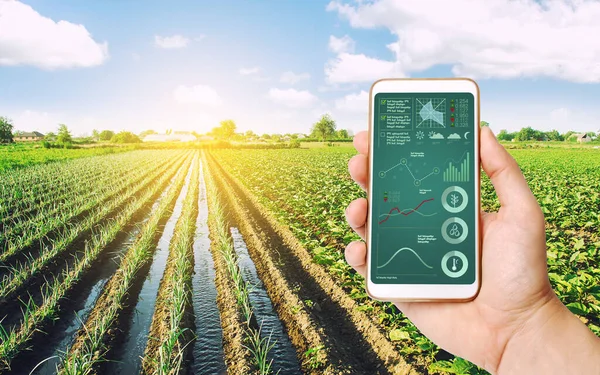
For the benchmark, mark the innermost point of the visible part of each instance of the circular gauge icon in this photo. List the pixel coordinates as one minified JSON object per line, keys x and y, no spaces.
{"x":455,"y":264}
{"x":455,"y":230}
{"x":455,"y":199}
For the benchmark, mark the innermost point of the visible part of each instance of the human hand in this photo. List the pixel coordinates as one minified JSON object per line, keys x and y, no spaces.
{"x":515,"y":292}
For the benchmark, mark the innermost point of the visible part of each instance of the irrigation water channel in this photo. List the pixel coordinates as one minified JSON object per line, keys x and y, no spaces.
{"x":60,"y":336}
{"x":130,"y":352}
{"x":283,"y":353}
{"x":208,"y":355}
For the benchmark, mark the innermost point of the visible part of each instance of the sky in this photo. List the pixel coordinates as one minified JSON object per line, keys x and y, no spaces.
{"x":277,"y":66}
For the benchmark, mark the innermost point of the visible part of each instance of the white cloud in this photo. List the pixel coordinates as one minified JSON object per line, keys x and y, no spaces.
{"x":292,"y":98}
{"x":293,"y":78}
{"x":199,"y":94}
{"x":357,"y":103}
{"x":348,"y":68}
{"x":494,"y":38}
{"x":28,"y":38}
{"x":171,"y":42}
{"x":249,"y":71}
{"x":340,"y":45}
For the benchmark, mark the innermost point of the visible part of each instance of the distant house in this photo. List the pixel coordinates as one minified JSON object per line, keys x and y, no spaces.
{"x":174,"y":137}
{"x":583,"y":138}
{"x":28,"y":136}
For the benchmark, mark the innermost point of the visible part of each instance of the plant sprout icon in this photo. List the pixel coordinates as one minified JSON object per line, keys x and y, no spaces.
{"x":454,"y":199}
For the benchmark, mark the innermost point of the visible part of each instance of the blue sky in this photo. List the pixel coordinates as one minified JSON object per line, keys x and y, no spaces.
{"x":276,"y":66}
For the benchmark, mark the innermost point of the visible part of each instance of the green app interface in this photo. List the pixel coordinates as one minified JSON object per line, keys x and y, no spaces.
{"x":423,"y":191}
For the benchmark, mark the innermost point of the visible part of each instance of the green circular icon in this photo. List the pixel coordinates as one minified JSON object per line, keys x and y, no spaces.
{"x":455,"y":199}
{"x":455,"y":230}
{"x":459,"y":264}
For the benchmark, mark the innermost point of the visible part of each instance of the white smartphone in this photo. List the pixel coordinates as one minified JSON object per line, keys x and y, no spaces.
{"x":423,"y":220}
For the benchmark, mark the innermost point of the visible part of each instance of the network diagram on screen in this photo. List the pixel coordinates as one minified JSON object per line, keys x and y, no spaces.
{"x":423,"y":202}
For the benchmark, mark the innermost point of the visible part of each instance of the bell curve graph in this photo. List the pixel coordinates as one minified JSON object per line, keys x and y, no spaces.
{"x":405,"y":249}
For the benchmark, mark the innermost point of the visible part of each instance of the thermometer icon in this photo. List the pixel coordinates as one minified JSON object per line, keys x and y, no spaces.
{"x":454,"y":264}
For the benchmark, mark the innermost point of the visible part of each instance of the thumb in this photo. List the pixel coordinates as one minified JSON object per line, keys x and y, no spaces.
{"x":510,"y":185}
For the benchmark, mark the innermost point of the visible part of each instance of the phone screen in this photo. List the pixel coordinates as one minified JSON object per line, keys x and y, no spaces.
{"x":423,"y":208}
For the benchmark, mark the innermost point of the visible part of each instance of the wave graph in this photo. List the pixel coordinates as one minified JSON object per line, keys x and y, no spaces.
{"x":406,"y":211}
{"x":401,"y":250}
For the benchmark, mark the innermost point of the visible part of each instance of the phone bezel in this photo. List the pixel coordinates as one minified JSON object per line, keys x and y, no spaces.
{"x":426,"y":292}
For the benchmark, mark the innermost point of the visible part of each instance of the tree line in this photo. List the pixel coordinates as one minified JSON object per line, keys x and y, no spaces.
{"x":530,"y":134}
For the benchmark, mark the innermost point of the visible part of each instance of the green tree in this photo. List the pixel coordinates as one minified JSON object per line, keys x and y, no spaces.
{"x":64,"y":135}
{"x":530,"y":134}
{"x":50,"y":136}
{"x":566,"y":136}
{"x":95,"y":134}
{"x":554,"y":135}
{"x":106,"y":135}
{"x":484,"y":123}
{"x":225,"y":130}
{"x":324,"y":128}
{"x":343,"y":134}
{"x":250,"y":134}
{"x":125,"y":137}
{"x":6,"y":129}
{"x":503,"y":135}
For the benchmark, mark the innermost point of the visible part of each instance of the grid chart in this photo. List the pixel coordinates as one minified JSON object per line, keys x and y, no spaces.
{"x":430,"y":113}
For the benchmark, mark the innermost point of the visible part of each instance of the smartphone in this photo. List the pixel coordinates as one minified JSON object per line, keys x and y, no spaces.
{"x":423,"y":220}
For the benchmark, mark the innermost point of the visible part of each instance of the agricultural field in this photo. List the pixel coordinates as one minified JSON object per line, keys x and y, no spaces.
{"x":19,"y":155}
{"x":231,"y":261}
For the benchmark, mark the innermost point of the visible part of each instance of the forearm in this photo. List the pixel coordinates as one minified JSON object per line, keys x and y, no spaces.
{"x":554,"y":341}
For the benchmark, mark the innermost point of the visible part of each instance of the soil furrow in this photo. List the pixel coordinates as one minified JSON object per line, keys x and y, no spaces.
{"x":351,"y":336}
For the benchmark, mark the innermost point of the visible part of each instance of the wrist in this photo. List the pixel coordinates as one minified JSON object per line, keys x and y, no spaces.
{"x":551,"y":341}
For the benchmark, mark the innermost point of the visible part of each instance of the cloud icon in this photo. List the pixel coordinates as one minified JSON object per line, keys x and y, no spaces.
{"x":436,"y":136}
{"x":454,"y":136}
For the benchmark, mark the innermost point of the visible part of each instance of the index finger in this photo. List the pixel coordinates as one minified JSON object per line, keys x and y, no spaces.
{"x":361,"y":142}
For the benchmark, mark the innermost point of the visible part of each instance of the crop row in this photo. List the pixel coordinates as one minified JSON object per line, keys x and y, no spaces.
{"x":34,"y":316}
{"x":25,"y":189}
{"x":21,"y":272}
{"x":258,"y":343}
{"x":80,"y":190}
{"x":38,"y":228}
{"x":91,"y":344}
{"x":170,"y":332}
{"x":312,"y":202}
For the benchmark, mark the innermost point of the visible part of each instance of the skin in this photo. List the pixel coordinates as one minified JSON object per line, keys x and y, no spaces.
{"x":516,"y":325}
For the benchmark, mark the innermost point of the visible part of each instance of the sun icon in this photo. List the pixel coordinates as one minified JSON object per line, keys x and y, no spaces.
{"x":420,"y":135}
{"x":431,"y":134}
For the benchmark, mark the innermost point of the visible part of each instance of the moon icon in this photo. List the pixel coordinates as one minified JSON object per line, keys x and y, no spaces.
{"x":466,"y":134}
